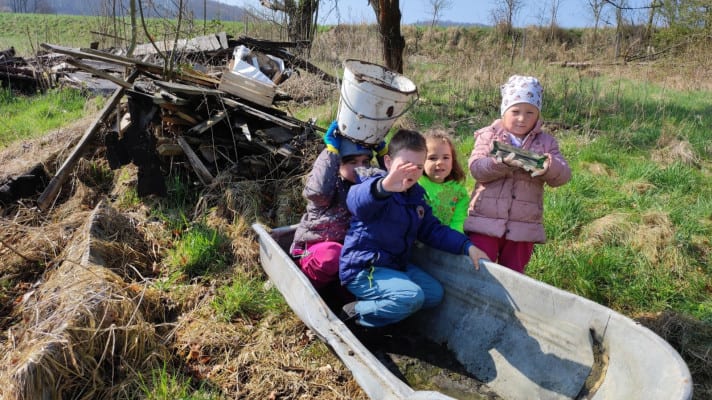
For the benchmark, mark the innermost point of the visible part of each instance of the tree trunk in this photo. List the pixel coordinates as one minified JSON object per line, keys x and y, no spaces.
{"x":134,"y":27}
{"x":300,"y":18}
{"x":388,"y":16}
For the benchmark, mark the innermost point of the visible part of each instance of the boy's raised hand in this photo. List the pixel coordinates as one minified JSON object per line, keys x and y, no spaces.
{"x":476,"y":254}
{"x":401,"y":176}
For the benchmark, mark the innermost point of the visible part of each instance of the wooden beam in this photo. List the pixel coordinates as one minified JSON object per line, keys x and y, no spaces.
{"x":191,"y":76}
{"x":285,"y":122}
{"x":50,"y":193}
{"x":208,"y":123}
{"x":203,"y":174}
{"x":99,"y":73}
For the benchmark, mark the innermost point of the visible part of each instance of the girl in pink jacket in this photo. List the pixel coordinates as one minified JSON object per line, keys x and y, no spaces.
{"x":505,"y":212}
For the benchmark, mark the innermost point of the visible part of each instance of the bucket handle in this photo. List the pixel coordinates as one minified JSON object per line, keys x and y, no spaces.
{"x":412,"y":103}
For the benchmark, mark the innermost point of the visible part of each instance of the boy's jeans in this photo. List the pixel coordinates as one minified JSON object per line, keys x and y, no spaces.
{"x":386,"y":296}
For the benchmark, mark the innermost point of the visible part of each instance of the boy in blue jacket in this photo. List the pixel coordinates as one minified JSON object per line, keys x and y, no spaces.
{"x":389,"y":213}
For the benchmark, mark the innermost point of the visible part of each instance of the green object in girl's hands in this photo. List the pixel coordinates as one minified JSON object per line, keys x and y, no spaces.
{"x":528,"y":158}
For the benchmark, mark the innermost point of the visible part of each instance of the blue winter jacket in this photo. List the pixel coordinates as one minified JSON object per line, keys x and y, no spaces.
{"x":385,"y":225}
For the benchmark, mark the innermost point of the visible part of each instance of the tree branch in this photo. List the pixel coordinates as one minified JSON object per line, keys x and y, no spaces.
{"x":274,"y":5}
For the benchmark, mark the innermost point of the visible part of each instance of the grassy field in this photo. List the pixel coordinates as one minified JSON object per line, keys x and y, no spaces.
{"x":27,"y":31}
{"x":630,"y":231}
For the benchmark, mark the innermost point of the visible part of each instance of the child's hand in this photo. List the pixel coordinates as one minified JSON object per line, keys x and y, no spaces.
{"x":541,"y":171}
{"x":401,"y":176}
{"x":381,"y":148}
{"x":509,"y":160}
{"x":476,"y":254}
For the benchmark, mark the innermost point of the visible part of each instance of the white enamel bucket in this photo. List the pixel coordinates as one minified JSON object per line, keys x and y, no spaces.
{"x":372,"y":98}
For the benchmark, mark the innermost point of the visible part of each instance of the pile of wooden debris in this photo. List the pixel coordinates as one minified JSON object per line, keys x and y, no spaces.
{"x":205,"y":115}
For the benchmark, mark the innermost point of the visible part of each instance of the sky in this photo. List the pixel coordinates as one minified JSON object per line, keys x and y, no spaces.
{"x":572,"y":13}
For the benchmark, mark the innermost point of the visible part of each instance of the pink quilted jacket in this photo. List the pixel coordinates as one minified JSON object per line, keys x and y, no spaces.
{"x":507,"y":201}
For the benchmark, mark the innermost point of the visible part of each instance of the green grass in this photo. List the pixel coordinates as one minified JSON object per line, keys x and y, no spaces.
{"x":617,"y":273}
{"x":24,"y":117}
{"x":27,"y":31}
{"x":616,"y":125}
{"x":166,"y":385}
{"x":199,"y":250}
{"x":248,"y":299}
{"x":172,"y":209}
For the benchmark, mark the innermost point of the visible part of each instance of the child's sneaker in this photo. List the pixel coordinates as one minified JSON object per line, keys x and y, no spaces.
{"x":348,"y":314}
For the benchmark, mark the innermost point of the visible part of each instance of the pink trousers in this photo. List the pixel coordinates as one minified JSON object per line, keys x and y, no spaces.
{"x":513,"y":255}
{"x":320,"y":263}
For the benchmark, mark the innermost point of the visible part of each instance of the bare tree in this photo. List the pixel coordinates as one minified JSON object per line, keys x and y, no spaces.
{"x":619,"y":26}
{"x":134,"y":27}
{"x":169,"y":57}
{"x":388,"y":16}
{"x":654,"y":7}
{"x":301,"y":17}
{"x":436,"y":8}
{"x":505,"y":13}
{"x":19,"y":6}
{"x":553,"y":17}
{"x":596,"y":8}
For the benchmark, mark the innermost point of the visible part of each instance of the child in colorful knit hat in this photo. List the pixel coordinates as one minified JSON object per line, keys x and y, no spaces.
{"x":320,"y":233}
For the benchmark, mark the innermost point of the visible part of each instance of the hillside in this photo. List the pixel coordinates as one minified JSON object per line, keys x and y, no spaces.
{"x":214,"y":10}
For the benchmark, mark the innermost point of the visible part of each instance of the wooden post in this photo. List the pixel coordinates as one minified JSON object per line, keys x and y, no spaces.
{"x":50,"y":193}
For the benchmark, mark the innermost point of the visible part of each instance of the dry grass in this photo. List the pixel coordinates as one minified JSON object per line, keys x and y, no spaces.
{"x":81,"y":328}
{"x":51,"y":150}
{"x":597,"y":169}
{"x":651,"y":236}
{"x":611,"y":229}
{"x":675,"y":151}
{"x":692,"y":339}
{"x":311,"y":90}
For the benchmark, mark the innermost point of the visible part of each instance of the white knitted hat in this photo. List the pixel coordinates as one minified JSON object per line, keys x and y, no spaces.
{"x":521,"y":89}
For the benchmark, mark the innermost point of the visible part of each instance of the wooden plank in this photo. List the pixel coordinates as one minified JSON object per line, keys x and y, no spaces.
{"x":188,"y":89}
{"x":86,"y":81}
{"x":203,"y":174}
{"x":99,"y":73}
{"x":290,"y":123}
{"x":52,"y":189}
{"x":208,"y":123}
{"x":169,"y":150}
{"x":222,"y":38}
{"x":175,"y":120}
{"x":246,"y":87}
{"x":187,"y":117}
{"x":192,"y":76}
{"x":196,"y":44}
{"x":79,"y":53}
{"x":166,"y":97}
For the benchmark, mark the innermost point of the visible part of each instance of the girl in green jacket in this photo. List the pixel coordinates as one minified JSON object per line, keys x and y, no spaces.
{"x":443,"y":180}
